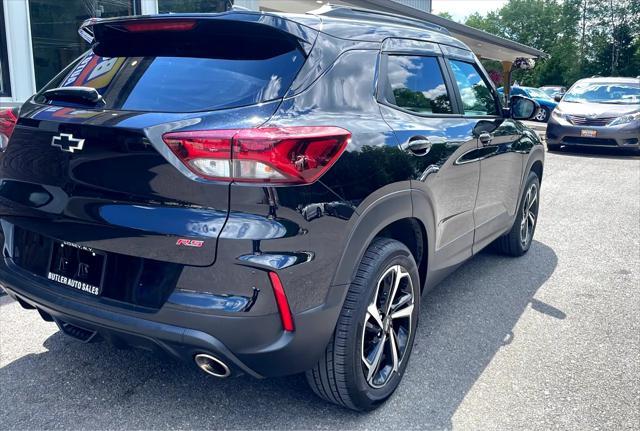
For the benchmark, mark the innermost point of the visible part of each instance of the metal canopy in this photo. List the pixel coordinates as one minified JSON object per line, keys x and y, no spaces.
{"x":483,"y":44}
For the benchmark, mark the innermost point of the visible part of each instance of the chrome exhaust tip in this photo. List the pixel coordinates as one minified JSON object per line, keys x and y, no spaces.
{"x":212,"y":365}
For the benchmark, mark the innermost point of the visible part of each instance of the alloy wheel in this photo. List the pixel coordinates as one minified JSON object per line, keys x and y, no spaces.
{"x":529,"y":215}
{"x":387,"y":326}
{"x":541,"y":115}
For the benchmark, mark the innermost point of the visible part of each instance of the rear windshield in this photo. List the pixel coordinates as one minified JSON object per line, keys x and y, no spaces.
{"x":183,"y":83}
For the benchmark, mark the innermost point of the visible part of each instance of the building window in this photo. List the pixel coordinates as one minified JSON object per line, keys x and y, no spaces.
{"x":5,"y":85}
{"x":54,"y":30}
{"x":185,"y":6}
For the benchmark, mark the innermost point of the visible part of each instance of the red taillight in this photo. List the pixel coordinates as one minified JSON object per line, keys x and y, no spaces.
{"x":160,"y":25}
{"x":286,"y":155}
{"x":282,"y":302}
{"x":8,"y":120}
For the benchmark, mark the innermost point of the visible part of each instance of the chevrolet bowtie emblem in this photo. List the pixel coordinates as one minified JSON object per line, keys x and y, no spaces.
{"x":66,"y":142}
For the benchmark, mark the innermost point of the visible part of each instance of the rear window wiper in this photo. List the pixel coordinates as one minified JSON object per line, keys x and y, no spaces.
{"x":82,"y":95}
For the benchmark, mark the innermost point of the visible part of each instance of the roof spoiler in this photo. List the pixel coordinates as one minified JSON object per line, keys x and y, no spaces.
{"x":184,"y":22}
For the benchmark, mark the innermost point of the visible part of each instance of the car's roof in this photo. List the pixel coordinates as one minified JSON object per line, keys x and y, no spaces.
{"x":371,"y":26}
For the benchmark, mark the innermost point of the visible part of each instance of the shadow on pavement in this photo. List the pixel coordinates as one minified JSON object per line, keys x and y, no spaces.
{"x":464,"y":322}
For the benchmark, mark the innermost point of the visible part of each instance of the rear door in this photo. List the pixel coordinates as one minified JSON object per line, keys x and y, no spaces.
{"x":418,"y":102}
{"x":100,"y":175}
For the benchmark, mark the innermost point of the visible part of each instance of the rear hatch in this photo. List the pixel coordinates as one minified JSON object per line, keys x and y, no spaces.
{"x":90,"y":167}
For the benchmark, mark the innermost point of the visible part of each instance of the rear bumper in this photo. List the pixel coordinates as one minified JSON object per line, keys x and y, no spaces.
{"x":246,"y":344}
{"x":625,"y":136}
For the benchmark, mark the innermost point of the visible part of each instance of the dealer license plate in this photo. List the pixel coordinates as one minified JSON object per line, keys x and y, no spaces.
{"x":77,"y":266}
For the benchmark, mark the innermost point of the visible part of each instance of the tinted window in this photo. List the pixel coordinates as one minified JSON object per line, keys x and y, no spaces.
{"x":534,"y":92}
{"x":184,"y":84}
{"x":477,"y":99}
{"x":416,"y":84}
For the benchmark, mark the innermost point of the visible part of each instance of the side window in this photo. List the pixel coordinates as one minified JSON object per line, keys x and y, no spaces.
{"x":416,"y":84}
{"x":477,"y":99}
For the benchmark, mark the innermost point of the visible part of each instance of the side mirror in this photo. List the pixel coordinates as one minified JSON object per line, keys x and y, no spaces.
{"x":557,"y":97}
{"x":523,"y":108}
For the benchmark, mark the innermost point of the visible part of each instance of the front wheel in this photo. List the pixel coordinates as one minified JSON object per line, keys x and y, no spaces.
{"x":518,"y":240}
{"x":368,"y":354}
{"x":542,"y":115}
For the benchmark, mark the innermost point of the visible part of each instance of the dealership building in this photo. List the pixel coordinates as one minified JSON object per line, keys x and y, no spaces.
{"x":39,"y":37}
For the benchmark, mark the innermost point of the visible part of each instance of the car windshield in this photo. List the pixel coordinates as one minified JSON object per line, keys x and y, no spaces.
{"x":622,"y":93}
{"x":534,"y":92}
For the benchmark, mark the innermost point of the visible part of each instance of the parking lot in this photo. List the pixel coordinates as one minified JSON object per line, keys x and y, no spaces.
{"x":550,"y":340}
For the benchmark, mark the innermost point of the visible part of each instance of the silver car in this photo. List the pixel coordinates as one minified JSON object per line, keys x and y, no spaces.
{"x":597,"y":112}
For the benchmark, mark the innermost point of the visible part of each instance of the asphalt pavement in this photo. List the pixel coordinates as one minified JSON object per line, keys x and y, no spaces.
{"x":547,"y":341}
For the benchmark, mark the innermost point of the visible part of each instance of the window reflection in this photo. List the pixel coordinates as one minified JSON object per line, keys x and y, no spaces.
{"x":416,"y":84}
{"x":477,"y":99}
{"x":183,"y":84}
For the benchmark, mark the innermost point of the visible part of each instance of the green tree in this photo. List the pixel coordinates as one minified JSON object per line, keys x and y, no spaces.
{"x":446,"y":15}
{"x":583,"y":37}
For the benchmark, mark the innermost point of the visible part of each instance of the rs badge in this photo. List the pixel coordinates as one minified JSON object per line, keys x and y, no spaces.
{"x":190,"y":242}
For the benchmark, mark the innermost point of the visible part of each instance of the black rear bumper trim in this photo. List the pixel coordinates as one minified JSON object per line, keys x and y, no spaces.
{"x":181,"y":343}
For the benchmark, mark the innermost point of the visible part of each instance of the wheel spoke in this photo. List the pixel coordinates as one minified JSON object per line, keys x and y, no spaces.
{"x":403,"y":313}
{"x":406,"y":298}
{"x":532,"y":218}
{"x":532,"y":200}
{"x":372,"y":311}
{"x":375,"y":364}
{"x":398,"y":275}
{"x":395,"y":353}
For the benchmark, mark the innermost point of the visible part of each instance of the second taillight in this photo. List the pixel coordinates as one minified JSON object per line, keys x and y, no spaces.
{"x":285,"y":155}
{"x":8,"y":120}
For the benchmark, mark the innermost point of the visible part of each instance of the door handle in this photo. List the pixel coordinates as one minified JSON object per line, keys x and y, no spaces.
{"x":417,"y":145}
{"x":485,"y":138}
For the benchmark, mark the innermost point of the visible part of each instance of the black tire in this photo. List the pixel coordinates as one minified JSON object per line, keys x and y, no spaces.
{"x":513,"y":244}
{"x":553,"y":147}
{"x":339,"y":376}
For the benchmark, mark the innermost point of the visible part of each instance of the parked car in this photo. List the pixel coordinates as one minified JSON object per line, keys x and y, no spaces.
{"x":165,"y":191}
{"x":601,"y":112}
{"x":547,"y":104}
{"x":554,"y":90}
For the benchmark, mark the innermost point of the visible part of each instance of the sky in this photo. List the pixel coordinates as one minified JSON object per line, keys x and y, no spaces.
{"x":460,"y":9}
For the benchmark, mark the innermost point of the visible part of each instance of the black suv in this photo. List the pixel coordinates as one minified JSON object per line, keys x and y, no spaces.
{"x":260,"y":193}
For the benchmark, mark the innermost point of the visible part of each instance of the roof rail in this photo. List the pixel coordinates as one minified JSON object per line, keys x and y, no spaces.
{"x":348,"y":12}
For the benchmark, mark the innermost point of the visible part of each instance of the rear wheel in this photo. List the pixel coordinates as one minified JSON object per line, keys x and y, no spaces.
{"x":518,"y":240}
{"x":368,"y":354}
